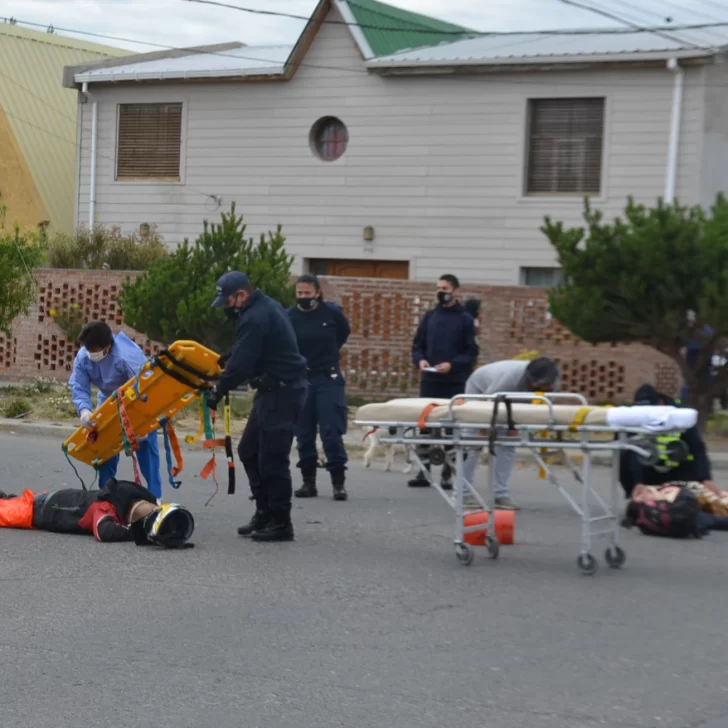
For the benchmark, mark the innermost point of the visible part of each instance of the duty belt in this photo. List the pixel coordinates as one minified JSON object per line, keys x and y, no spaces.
{"x":266,"y":383}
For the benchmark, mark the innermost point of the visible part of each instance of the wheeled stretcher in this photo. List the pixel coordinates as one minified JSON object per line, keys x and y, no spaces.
{"x":450,"y":429}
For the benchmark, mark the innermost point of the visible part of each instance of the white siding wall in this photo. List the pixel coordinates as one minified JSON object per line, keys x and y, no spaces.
{"x":714,"y":169}
{"x":435,"y":164}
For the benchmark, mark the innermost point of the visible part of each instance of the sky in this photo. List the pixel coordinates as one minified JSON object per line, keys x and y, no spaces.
{"x":182,"y":23}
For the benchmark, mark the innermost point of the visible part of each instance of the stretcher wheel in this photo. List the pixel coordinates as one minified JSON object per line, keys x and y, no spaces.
{"x":465,"y":554}
{"x":436,"y":456}
{"x":493,"y":547}
{"x":505,"y":523}
{"x":615,"y":557}
{"x":587,"y":563}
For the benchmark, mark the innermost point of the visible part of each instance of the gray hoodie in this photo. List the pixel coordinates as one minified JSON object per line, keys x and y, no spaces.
{"x":499,"y":376}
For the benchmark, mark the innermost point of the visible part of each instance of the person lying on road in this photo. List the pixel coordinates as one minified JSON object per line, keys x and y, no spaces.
{"x":121,"y":511}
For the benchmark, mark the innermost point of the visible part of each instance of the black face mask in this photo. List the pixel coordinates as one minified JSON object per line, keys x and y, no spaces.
{"x":444,"y":298}
{"x":306,"y":304}
{"x":231,"y":313}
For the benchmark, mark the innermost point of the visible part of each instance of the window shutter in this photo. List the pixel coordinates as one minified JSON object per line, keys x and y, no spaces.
{"x":565,"y":146}
{"x":150,"y":141}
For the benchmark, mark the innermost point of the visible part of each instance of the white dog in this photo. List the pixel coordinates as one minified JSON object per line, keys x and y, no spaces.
{"x":374,"y":443}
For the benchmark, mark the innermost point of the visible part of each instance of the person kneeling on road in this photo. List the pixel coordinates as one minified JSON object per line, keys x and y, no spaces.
{"x":539,"y":375}
{"x":266,"y":356}
{"x":121,"y":511}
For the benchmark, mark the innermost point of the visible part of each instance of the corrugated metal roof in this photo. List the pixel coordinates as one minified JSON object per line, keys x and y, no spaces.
{"x":379,"y":20}
{"x":245,"y":61}
{"x":548,"y":46}
{"x":42,"y":113}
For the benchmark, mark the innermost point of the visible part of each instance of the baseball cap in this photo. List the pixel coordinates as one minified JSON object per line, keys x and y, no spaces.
{"x":229,"y":284}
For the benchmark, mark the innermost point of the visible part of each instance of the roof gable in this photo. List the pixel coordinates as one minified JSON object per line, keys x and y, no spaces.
{"x":378,"y":22}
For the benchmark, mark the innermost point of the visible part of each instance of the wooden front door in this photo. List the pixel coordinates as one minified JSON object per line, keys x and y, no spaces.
{"x":398,"y":269}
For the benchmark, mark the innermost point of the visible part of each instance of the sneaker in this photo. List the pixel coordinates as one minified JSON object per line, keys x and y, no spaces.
{"x":506,"y":504}
{"x":446,"y":484}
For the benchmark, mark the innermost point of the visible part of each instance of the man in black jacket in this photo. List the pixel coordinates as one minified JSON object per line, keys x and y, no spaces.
{"x":120,"y":511}
{"x":444,"y":350}
{"x":682,"y":456}
{"x":266,"y":357}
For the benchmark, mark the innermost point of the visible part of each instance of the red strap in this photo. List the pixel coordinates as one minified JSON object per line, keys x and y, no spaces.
{"x":137,"y":477}
{"x":427,"y":411}
{"x":176,"y":450}
{"x":209,"y":468}
{"x":125,"y":423}
{"x":212,"y":444}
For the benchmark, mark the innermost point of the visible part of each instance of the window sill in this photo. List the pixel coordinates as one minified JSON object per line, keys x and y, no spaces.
{"x":149,"y":180}
{"x":540,"y":198}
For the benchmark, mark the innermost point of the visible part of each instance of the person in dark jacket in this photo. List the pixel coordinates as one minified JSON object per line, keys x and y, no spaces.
{"x":321,"y":330}
{"x":445,"y":351}
{"x":682,"y":456}
{"x":472,"y":306}
{"x":266,"y":357}
{"x":120,"y":511}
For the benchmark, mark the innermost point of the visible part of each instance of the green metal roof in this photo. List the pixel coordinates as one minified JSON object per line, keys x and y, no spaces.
{"x":409,"y":27}
{"x":42,"y":114}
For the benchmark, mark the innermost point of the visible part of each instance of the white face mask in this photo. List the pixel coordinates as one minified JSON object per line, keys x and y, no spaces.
{"x":97,"y":356}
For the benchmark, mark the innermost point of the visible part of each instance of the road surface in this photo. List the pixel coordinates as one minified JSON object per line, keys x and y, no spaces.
{"x":366,"y":621}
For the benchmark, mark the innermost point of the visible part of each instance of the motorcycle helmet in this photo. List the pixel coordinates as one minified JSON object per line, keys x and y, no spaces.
{"x":170,"y":526}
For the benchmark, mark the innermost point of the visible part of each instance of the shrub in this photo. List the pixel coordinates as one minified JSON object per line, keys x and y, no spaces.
{"x":17,"y":408}
{"x":105,"y":249}
{"x":69,"y":319}
{"x":172,"y":299}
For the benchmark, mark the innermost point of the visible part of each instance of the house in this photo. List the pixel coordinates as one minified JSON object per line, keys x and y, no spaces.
{"x":388,"y":144}
{"x":38,"y":124}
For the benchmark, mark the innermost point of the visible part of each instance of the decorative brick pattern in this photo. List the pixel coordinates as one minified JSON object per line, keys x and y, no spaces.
{"x":384,"y":315}
{"x":8,"y":352}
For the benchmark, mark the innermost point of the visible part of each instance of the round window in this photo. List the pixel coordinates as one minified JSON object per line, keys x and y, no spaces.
{"x":329,"y":138}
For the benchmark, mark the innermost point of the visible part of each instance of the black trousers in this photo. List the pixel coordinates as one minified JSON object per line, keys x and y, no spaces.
{"x":438,"y":390}
{"x":265,"y":447}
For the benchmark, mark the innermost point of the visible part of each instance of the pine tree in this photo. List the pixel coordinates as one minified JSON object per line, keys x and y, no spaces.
{"x":659,"y":277}
{"x":171,"y":301}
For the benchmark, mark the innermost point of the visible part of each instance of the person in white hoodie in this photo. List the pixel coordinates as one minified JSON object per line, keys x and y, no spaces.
{"x":511,"y":375}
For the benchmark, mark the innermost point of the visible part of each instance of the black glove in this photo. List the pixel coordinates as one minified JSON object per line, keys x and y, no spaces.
{"x":223,"y":360}
{"x":213,"y":398}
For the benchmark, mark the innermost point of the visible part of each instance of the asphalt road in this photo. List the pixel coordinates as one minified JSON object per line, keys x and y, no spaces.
{"x":366,"y":621}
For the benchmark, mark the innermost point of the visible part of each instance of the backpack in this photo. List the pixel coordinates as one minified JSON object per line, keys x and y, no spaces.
{"x":678,"y":519}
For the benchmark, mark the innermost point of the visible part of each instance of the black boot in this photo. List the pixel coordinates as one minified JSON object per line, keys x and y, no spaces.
{"x":308,"y":490}
{"x":446,"y":477}
{"x":338,"y":478}
{"x":279,"y":528}
{"x":260,"y":520}
{"x":420,"y":481}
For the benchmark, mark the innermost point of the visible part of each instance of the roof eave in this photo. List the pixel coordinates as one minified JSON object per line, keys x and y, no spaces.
{"x":71,"y":72}
{"x":390,"y":66}
{"x":121,"y":78}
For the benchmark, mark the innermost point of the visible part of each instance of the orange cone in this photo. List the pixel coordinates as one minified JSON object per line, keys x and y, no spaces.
{"x":505,"y":524}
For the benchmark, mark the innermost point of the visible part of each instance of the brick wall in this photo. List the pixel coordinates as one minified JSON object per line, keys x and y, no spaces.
{"x":383,"y":315}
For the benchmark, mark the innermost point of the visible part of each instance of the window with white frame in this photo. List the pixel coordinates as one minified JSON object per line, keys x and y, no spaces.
{"x":541,"y":277}
{"x":149,"y":143}
{"x":565,"y":141}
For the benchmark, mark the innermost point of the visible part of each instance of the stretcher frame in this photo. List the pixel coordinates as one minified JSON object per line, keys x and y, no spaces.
{"x":605,"y":524}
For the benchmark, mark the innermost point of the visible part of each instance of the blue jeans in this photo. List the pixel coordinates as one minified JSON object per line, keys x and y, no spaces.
{"x":325,"y":411}
{"x":149,"y":464}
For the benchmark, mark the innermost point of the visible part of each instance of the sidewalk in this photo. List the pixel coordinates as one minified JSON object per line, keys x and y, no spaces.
{"x":717,"y":451}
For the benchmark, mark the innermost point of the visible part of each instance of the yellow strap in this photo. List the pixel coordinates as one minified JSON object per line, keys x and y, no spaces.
{"x":579,"y":417}
{"x":194,"y":439}
{"x":228,"y":426}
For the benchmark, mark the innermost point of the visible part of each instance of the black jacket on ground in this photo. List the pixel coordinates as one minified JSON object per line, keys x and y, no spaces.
{"x":62,"y":510}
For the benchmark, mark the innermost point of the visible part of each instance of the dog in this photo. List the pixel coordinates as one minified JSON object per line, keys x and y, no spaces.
{"x":389,"y":451}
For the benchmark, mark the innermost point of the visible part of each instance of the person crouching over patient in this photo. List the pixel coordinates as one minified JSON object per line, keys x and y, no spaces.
{"x":682,"y":456}
{"x":121,"y":511}
{"x":539,"y":375}
{"x":321,"y":330}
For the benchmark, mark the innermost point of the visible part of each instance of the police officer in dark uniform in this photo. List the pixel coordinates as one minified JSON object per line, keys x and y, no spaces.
{"x":266,"y":357}
{"x":681,"y":456}
{"x":321,"y":329}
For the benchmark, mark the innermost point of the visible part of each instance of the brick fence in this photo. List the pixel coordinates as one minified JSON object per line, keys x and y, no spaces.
{"x":383,"y":314}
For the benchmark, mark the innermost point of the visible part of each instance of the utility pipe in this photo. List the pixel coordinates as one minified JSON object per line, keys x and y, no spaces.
{"x":92,"y":175}
{"x":674,"y":144}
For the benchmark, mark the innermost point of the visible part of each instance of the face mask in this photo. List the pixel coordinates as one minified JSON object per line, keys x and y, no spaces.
{"x":444,"y":298}
{"x":306,"y":304}
{"x":97,"y":356}
{"x":231,"y":313}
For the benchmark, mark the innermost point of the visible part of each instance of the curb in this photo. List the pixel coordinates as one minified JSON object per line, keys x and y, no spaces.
{"x":718,"y":460}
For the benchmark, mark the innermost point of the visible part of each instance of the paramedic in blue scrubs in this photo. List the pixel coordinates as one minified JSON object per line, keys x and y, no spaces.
{"x":321,"y":330}
{"x":107,"y":361}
